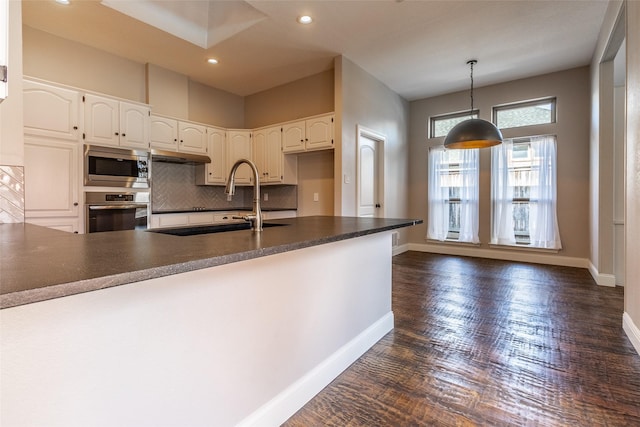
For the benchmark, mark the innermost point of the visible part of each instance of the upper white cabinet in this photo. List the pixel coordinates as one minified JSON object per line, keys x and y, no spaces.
{"x":192,"y":138}
{"x":214,"y":173}
{"x":115,"y":123}
{"x":51,"y":111}
{"x":239,"y":147}
{"x":163,"y":133}
{"x":315,"y":133}
{"x":267,"y":153}
{"x":175,"y":135}
{"x":274,"y":167}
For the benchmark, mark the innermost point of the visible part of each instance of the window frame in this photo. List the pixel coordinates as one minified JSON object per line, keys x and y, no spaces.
{"x":523,"y":104}
{"x":433,"y":119}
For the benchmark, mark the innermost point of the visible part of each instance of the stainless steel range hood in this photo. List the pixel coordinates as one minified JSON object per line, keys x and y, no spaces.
{"x":175,"y":157}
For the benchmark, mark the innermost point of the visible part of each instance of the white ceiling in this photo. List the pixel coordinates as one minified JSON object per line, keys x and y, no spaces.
{"x":417,"y":48}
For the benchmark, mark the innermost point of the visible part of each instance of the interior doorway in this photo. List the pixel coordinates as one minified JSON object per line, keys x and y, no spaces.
{"x":370,"y":173}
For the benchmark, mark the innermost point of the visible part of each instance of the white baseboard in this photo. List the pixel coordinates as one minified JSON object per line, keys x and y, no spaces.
{"x":289,"y":401}
{"x":631,"y":330}
{"x":601,"y":278}
{"x":397,"y":250}
{"x":507,"y":255}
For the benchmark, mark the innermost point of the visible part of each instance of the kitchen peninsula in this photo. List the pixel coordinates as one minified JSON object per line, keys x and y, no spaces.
{"x":143,"y":328}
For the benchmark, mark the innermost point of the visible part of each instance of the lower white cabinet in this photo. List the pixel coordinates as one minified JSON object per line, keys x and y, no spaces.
{"x":186,"y":219}
{"x":52,"y":183}
{"x":70,"y":225}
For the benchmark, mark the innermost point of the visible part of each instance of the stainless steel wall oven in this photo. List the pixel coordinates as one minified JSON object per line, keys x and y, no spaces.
{"x":109,"y":211}
{"x":115,"y":167}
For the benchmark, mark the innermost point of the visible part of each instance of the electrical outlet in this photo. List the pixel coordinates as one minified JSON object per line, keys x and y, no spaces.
{"x":266,"y":197}
{"x":316,"y":197}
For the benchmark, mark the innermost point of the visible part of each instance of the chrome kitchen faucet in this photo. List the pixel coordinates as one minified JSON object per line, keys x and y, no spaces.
{"x":255,"y":218}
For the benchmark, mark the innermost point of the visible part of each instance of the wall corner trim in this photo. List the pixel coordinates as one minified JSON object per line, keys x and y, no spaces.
{"x":284,"y":405}
{"x":601,"y":278}
{"x":632,"y":331}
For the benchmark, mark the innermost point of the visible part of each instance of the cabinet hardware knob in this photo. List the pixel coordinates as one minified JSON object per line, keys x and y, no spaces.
{"x":75,"y":204}
{"x":75,"y":128}
{"x":124,"y":134}
{"x":175,"y":139}
{"x":116,"y":133}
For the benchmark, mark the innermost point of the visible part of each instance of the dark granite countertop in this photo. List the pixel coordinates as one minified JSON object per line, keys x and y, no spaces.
{"x":39,"y":263}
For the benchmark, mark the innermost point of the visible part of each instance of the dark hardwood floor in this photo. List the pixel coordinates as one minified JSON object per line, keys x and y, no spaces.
{"x":487,"y":342}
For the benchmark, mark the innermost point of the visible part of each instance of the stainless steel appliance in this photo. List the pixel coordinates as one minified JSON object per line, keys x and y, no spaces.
{"x":112,"y":211}
{"x":115,"y":167}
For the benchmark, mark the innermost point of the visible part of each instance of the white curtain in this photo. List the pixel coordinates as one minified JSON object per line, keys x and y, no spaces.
{"x":543,"y":219}
{"x":502,"y":229}
{"x":541,"y":179}
{"x":438,"y":208}
{"x":441,"y":179}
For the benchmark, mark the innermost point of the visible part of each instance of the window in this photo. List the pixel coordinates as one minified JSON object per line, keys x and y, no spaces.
{"x":525,"y":113}
{"x":523,"y":192}
{"x":441,"y":125}
{"x":453,"y":195}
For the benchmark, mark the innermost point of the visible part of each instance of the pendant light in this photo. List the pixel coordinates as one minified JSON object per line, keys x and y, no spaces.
{"x":473,"y":133}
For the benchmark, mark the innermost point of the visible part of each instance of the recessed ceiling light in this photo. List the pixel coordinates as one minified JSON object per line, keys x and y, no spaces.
{"x":63,"y":1}
{"x":305,"y":19}
{"x":212,"y":61}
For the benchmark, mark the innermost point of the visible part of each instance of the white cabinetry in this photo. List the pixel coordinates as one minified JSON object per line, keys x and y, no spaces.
{"x":52,"y":183}
{"x":267,"y":153}
{"x":185,"y":219}
{"x":4,"y":47}
{"x":315,"y":133}
{"x":214,"y":173}
{"x":163,"y":133}
{"x":51,"y":111}
{"x":239,"y":147}
{"x":192,"y":138}
{"x":115,"y":123}
{"x":274,"y":167}
{"x":175,"y":135}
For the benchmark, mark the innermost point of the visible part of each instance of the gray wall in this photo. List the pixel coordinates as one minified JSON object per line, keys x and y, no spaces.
{"x":363,"y":100}
{"x":571,"y":88}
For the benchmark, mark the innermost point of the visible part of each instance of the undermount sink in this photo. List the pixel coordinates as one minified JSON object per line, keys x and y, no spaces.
{"x":208,"y":229}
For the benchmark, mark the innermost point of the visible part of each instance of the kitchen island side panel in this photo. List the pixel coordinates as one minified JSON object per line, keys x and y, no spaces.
{"x":206,"y":347}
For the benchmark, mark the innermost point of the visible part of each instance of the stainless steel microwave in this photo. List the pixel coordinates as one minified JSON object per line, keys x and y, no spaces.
{"x":115,"y":167}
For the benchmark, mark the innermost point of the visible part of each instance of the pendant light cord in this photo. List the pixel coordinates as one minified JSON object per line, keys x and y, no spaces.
{"x":472,"y":63}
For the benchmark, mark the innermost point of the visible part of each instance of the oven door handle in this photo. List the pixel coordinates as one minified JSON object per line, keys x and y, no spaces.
{"x":106,"y":207}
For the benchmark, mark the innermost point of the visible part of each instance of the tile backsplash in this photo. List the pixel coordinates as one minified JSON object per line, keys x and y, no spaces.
{"x":11,"y":194}
{"x":174,"y":189}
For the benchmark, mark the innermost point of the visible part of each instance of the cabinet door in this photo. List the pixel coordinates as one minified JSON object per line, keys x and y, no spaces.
{"x":51,"y":111}
{"x":260,"y":153}
{"x":51,"y":171}
{"x":70,"y":225}
{"x":164,"y":133}
{"x":134,"y":126}
{"x":319,"y":133}
{"x":273,"y":155}
{"x":239,"y":147}
{"x":293,"y":137}
{"x":192,"y":138}
{"x":101,"y":117}
{"x":216,"y":171}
